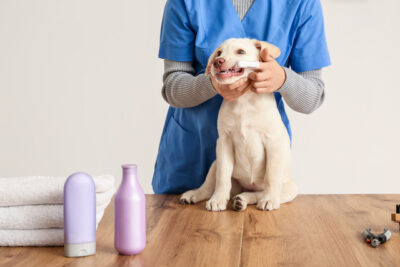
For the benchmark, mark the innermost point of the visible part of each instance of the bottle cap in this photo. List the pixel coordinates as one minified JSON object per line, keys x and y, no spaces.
{"x":79,"y":250}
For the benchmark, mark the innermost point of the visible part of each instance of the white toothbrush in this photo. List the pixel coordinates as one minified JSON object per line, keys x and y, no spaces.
{"x":248,"y":64}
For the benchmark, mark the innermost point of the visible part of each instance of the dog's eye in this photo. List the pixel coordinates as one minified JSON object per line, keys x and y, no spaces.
{"x":241,"y":52}
{"x":219,"y":53}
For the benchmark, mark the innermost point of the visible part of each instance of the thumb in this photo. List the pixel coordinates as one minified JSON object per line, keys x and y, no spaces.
{"x":265,"y":56}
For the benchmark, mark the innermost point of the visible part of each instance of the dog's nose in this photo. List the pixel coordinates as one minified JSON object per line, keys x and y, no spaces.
{"x":218,"y":62}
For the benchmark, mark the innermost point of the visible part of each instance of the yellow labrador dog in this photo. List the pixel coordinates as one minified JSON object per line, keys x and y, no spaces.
{"x":253,"y":148}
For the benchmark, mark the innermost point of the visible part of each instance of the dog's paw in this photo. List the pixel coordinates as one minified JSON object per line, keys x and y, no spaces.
{"x":238,"y":203}
{"x":189,"y":197}
{"x":268,"y":204}
{"x":216,"y":204}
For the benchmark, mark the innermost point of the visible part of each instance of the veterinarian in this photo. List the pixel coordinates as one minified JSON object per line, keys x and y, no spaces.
{"x":191,"y":30}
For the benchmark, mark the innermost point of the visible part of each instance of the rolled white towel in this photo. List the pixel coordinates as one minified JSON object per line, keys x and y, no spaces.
{"x":104,"y":197}
{"x":32,"y":217}
{"x":36,"y":237}
{"x":33,"y":190}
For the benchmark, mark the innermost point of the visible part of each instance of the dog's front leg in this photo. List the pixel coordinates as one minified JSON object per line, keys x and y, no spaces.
{"x":278,"y":156}
{"x":223,"y":182}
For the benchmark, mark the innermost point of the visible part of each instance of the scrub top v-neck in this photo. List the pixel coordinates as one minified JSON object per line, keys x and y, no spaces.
{"x":191,"y":30}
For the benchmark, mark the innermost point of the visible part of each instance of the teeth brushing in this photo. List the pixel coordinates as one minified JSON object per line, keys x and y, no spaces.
{"x":248,"y":64}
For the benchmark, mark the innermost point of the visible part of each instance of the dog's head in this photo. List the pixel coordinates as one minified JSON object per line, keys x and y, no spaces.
{"x":222,"y":64}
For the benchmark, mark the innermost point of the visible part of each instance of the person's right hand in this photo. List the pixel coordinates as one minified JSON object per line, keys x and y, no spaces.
{"x":232,"y":91}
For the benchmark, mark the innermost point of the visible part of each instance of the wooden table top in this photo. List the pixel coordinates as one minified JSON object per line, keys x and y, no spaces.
{"x":313,"y":230}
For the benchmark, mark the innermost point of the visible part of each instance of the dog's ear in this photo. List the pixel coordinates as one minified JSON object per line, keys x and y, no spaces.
{"x":272,"y":50}
{"x":211,"y":61}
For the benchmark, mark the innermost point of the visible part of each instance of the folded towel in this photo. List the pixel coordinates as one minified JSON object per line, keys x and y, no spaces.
{"x":104,"y":197}
{"x":32,"y":190}
{"x":38,"y":216}
{"x":37,"y":237}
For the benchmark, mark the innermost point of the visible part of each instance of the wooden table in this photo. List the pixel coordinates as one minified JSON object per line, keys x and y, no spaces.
{"x":313,"y":230}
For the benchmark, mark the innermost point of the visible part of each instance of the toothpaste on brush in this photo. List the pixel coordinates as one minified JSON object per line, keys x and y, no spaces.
{"x":248,"y":64}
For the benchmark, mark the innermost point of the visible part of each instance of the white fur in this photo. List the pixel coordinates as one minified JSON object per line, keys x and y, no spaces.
{"x":253,"y":148}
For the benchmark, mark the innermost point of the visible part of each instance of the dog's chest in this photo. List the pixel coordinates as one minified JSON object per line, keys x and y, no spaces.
{"x":249,"y":154}
{"x":250,"y":113}
{"x":248,"y":123}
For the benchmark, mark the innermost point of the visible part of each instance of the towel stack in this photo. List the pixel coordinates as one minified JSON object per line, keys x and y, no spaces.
{"x":31,"y":209}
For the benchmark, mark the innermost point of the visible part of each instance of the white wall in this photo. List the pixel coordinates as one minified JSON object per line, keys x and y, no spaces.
{"x":351,"y":144}
{"x":80,"y":91}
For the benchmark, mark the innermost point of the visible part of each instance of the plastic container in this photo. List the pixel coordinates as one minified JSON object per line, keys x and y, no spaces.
{"x":129,"y":214}
{"x":79,"y":215}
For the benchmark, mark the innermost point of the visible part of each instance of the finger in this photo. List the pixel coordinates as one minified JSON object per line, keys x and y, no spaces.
{"x":248,"y":88}
{"x":236,"y":95}
{"x":259,"y":76}
{"x":215,"y":85}
{"x":218,"y":90}
{"x":261,"y":90}
{"x":243,"y":86}
{"x":244,"y":89}
{"x":251,"y":75}
{"x":238,"y":83}
{"x":265,"y":56}
{"x":231,"y":94}
{"x":262,"y":67}
{"x":262,"y":84}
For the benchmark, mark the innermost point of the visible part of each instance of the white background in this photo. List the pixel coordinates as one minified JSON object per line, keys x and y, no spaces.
{"x":80,"y":90}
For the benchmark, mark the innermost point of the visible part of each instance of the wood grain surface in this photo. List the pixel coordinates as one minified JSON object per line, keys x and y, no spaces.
{"x":313,"y":230}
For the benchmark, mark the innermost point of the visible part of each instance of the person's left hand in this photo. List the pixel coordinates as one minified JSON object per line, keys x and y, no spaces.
{"x":269,"y":77}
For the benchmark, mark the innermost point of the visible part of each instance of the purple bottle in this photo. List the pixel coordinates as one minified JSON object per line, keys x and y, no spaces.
{"x":79,"y":215}
{"x":129,"y":214}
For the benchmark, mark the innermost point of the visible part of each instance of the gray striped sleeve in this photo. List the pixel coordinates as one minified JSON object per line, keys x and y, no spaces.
{"x":181,"y":89}
{"x":304,"y":91}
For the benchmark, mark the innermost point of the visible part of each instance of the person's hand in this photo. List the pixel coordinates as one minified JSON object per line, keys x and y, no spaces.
{"x":269,"y":77}
{"x":232,"y":91}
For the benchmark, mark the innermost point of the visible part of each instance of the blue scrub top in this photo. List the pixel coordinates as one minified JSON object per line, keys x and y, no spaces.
{"x":191,"y":30}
